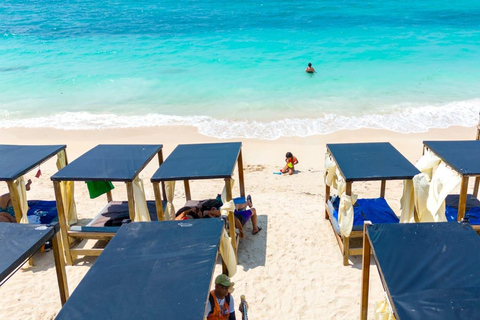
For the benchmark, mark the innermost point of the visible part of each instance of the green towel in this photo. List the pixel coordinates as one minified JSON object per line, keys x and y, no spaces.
{"x":97,"y":188}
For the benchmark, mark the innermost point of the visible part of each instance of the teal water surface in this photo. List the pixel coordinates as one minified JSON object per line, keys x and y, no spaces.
{"x":223,"y":65}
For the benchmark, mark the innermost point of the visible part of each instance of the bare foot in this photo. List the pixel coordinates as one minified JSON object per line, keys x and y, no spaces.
{"x":27,"y":185}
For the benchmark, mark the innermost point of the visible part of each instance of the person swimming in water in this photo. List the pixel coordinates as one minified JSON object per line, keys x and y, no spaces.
{"x":310,"y":69}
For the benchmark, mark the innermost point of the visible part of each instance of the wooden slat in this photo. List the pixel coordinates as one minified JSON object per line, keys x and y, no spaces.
{"x":87,"y":252}
{"x":91,"y":235}
{"x":231,"y":217}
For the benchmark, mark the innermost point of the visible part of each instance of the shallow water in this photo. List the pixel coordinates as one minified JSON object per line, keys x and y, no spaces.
{"x":236,"y":69}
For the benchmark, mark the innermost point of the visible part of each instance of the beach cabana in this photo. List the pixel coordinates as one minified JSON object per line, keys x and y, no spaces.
{"x":427,"y":269}
{"x":106,"y":163}
{"x":464,"y":158}
{"x":166,"y":273}
{"x":16,"y":161}
{"x":355,"y":162}
{"x":201,"y":162}
{"x":19,"y":242}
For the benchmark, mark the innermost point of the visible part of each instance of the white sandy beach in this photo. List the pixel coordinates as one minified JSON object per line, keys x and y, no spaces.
{"x":291,"y":270}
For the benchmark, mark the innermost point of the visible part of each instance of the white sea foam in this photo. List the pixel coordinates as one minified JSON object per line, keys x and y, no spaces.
{"x":399,"y":119}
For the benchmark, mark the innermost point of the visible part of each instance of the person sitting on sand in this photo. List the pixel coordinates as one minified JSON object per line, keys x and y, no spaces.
{"x":291,"y":161}
{"x":7,"y":213}
{"x":310,"y":69}
{"x":241,"y":213}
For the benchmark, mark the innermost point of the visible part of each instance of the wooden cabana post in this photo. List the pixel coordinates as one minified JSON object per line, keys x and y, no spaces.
{"x":62,"y":220}
{"x":241,"y":181}
{"x":365,"y":275}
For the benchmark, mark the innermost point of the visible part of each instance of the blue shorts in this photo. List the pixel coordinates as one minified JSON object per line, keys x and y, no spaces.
{"x":243,"y":216}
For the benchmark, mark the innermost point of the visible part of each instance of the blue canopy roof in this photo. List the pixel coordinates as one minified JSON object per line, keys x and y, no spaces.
{"x":199,"y":161}
{"x":16,"y":160}
{"x":371,"y":161}
{"x":18,"y":242}
{"x":119,"y":162}
{"x":150,"y":270}
{"x":430,"y":270}
{"x":462,"y":156}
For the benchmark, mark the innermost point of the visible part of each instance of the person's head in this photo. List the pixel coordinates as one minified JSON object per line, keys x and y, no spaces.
{"x":309,"y":65}
{"x":222,"y":285}
{"x":289,"y":155}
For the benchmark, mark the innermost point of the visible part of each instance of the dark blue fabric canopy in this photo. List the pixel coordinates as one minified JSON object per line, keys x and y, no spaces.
{"x":371,"y":161}
{"x":462,"y":156}
{"x":17,"y":160}
{"x":430,"y":270}
{"x":109,"y":163}
{"x":18,"y":242}
{"x":150,"y":270}
{"x":199,"y":161}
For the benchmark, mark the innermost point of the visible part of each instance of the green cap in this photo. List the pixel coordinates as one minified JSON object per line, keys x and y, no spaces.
{"x":223,"y":279}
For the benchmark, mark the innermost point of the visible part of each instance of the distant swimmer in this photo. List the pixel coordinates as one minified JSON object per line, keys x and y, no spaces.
{"x":310,"y":69}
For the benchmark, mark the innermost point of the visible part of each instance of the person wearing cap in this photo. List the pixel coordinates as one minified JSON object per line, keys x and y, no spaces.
{"x":220,"y":302}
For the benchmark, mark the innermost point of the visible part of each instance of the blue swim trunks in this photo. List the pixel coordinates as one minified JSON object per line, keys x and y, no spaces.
{"x":243,"y":216}
{"x":9,"y":210}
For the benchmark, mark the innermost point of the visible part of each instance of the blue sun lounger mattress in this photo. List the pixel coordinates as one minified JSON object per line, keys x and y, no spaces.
{"x":472,"y":210}
{"x":375,"y":210}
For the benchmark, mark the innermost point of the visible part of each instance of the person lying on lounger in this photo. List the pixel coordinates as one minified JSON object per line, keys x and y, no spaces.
{"x":241,"y":213}
{"x":7,"y":213}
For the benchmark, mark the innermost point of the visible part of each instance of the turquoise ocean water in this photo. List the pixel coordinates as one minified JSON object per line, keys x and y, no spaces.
{"x":236,"y":68}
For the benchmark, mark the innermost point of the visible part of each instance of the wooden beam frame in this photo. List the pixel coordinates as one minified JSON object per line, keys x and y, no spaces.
{"x":131,"y":200}
{"x":63,"y":221}
{"x":365,"y":274}
{"x":231,"y":217}
{"x":462,"y":201}
{"x":158,"y":201}
{"x":240,"y":174}
{"x":188,"y":195}
{"x":60,"y":268}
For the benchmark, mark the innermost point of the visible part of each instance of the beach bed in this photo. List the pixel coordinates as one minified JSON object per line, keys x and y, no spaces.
{"x":428,"y":270}
{"x":166,"y":273}
{"x":17,"y":160}
{"x":365,"y":162}
{"x":120,"y":163}
{"x":464,"y":158}
{"x":201,"y":162}
{"x":19,"y":242}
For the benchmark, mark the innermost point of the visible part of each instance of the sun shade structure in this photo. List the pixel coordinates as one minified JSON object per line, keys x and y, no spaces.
{"x":464,"y":158}
{"x":19,"y":242}
{"x":166,"y":273}
{"x":427,"y":269}
{"x":121,"y":163}
{"x":202,"y":162}
{"x":378,"y":161}
{"x":17,"y":160}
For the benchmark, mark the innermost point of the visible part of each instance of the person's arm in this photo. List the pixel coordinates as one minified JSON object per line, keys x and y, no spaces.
{"x":295,"y":161}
